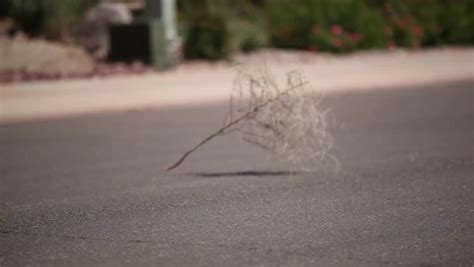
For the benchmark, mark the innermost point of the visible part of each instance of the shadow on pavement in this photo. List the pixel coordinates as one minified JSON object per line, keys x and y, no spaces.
{"x":249,"y":173}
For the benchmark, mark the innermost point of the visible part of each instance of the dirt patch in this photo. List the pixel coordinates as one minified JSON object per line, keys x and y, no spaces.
{"x":32,"y":60}
{"x":40,"y":58}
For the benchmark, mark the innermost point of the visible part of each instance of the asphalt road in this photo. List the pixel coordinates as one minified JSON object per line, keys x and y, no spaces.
{"x":91,"y":190}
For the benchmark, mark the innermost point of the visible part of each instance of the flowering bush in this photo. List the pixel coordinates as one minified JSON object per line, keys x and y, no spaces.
{"x":428,"y":22}
{"x":346,"y":25}
{"x":328,"y":25}
{"x":332,"y":25}
{"x":215,"y":29}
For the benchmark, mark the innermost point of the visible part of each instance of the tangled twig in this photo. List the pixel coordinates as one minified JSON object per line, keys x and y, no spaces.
{"x":288,"y":122}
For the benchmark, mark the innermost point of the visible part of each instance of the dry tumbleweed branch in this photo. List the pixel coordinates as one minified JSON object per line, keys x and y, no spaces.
{"x":289,"y":122}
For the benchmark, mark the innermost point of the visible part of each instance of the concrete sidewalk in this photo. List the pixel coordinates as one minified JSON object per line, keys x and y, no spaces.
{"x":203,"y":83}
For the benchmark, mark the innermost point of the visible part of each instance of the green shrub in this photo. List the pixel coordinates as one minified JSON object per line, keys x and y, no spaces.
{"x":5,"y":7}
{"x":206,"y":29}
{"x":324,"y":25}
{"x":215,"y":29}
{"x":345,"y":25}
{"x":247,"y":36}
{"x":207,"y":37}
{"x":411,"y":23}
{"x":228,"y":26}
{"x":53,"y":19}
{"x":457,"y":22}
{"x":414,"y":23}
{"x":329,"y":25}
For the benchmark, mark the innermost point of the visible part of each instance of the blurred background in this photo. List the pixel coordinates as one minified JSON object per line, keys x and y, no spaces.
{"x":160,"y":33}
{"x":97,"y":98}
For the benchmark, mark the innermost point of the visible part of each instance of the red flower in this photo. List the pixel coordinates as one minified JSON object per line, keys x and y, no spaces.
{"x":336,"y":42}
{"x":336,"y":29}
{"x":402,"y":23}
{"x":418,"y":31}
{"x":357,"y":37}
{"x":391,"y":45}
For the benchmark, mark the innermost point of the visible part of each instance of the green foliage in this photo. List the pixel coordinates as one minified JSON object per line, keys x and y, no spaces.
{"x":206,"y":29}
{"x":330,"y":25}
{"x":207,"y":37}
{"x":247,"y":36}
{"x":415,"y":23}
{"x":53,"y":19}
{"x":456,"y":22}
{"x":215,"y":29}
{"x":5,"y":7}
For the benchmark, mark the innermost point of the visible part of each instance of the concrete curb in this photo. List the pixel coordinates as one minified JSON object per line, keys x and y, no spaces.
{"x":203,"y":83}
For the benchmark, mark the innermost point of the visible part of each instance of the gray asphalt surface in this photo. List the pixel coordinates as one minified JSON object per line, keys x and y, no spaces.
{"x":91,"y":190}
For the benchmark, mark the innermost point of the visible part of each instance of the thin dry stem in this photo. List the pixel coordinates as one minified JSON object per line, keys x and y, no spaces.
{"x":289,"y":122}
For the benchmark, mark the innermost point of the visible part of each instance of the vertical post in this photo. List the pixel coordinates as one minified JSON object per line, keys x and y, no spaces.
{"x":163,"y":32}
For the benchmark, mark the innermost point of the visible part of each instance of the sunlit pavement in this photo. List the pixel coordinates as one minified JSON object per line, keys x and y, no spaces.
{"x":198,"y":84}
{"x":91,"y":190}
